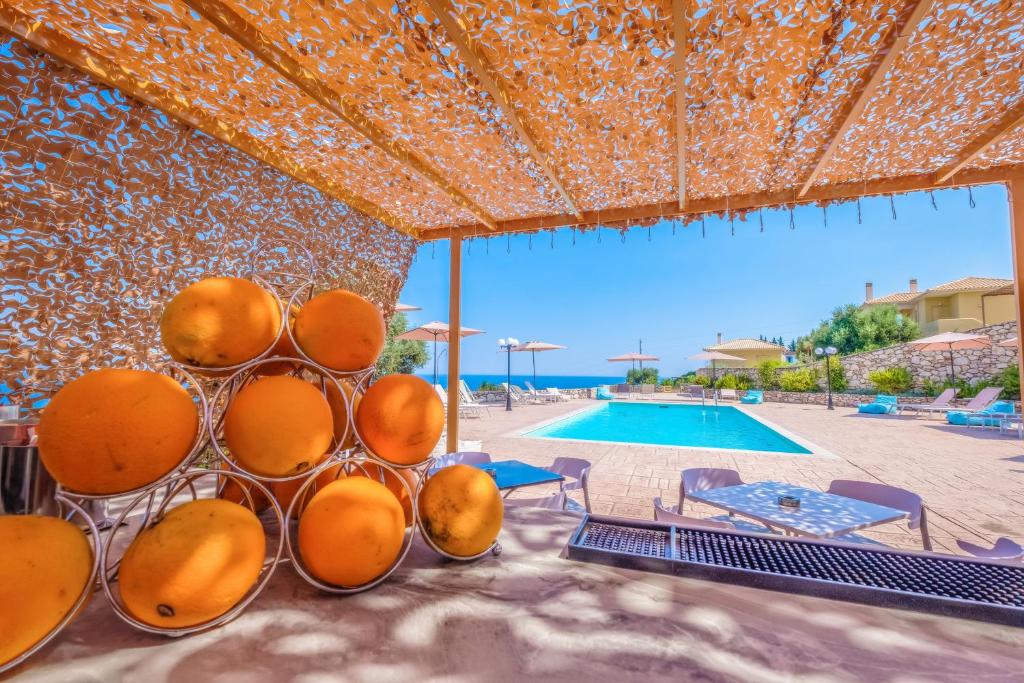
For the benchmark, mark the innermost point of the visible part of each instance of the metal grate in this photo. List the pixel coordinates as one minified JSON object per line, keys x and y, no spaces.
{"x":642,"y":542}
{"x":948,"y":585}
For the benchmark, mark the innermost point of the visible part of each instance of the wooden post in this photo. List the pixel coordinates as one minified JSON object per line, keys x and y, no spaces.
{"x":454,"y":338}
{"x":1015,"y":193}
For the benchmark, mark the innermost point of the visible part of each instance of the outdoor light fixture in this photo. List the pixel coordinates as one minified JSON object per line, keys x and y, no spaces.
{"x":507,"y":345}
{"x":827,"y":352}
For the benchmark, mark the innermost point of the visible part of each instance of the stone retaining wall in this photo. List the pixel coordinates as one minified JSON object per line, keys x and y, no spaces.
{"x":971,"y":365}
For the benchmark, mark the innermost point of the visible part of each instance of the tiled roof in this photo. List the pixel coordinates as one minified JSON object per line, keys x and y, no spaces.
{"x":745,"y":345}
{"x":895,"y":298}
{"x":971,"y":284}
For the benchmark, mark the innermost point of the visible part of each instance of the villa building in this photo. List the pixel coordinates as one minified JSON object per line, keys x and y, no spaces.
{"x":752,"y":351}
{"x":956,"y":306}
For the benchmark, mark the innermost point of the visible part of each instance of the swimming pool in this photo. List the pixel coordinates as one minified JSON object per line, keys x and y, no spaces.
{"x":670,"y":425}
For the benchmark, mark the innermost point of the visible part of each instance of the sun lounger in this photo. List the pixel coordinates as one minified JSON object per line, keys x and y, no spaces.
{"x":752,"y":397}
{"x":981,"y":405}
{"x":535,"y":396}
{"x":939,"y":405}
{"x":465,"y":410}
{"x":992,"y":416}
{"x":728,"y":394}
{"x":883,"y":405}
{"x":469,"y":399}
{"x":694,"y":392}
{"x":558,"y":395}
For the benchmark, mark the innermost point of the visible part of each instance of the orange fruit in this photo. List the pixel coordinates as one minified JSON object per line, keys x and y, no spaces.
{"x":340,"y":330}
{"x":234,"y":491}
{"x":219,"y":321}
{"x":113,"y":430}
{"x":278,"y":426}
{"x":461,"y":509}
{"x":392,"y":483}
{"x":351,"y":532}
{"x":340,"y":411}
{"x":400,"y":419}
{"x":284,"y":491}
{"x":45,"y":569}
{"x":193,"y":565}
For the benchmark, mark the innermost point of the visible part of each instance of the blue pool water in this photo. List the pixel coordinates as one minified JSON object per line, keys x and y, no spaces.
{"x":670,"y":425}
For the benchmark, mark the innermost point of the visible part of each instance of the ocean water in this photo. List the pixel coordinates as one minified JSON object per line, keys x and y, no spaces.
{"x":670,"y":425}
{"x":543,"y":381}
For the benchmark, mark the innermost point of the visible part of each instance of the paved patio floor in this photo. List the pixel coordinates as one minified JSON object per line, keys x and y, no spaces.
{"x":971,"y":480}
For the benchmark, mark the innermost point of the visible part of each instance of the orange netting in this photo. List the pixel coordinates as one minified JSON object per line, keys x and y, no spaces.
{"x":523,"y":113}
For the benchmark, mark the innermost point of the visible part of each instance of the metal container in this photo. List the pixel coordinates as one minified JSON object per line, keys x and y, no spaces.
{"x":26,"y":488}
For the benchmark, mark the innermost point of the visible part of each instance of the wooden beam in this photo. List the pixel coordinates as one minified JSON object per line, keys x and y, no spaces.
{"x":681,"y":37}
{"x":1015,"y":193}
{"x":890,"y":48}
{"x":67,"y":50}
{"x":1006,"y":124}
{"x":718,"y":205}
{"x":229,"y":22}
{"x":495,"y":86}
{"x":454,"y":340}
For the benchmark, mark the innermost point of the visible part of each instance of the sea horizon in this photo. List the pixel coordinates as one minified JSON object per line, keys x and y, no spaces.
{"x":543,"y":381}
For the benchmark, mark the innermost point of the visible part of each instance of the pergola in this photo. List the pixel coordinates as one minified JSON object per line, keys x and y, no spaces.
{"x":447,"y":119}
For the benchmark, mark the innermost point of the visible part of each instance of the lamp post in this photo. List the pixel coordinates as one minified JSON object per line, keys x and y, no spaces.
{"x":507,"y":345}
{"x":827,"y":352}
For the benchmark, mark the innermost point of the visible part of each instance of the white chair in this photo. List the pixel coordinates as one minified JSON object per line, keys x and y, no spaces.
{"x":579,"y":470}
{"x":516,"y":392}
{"x":469,"y":400}
{"x":889,"y":496}
{"x":462,"y":458}
{"x":1004,"y":549}
{"x":664,"y":513}
{"x":728,"y":395}
{"x":558,"y":395}
{"x":465,"y":410}
{"x":538,"y":396}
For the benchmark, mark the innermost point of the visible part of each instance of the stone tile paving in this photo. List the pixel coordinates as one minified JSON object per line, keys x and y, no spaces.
{"x":971,"y":480}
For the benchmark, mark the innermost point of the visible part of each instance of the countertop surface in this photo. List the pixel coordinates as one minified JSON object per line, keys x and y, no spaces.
{"x":530,"y":614}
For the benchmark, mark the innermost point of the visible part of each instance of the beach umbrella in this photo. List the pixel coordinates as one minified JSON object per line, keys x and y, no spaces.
{"x":435,"y":332}
{"x":952,"y":341}
{"x":1010,"y":343}
{"x":712,"y":356}
{"x":405,"y":308}
{"x":632,"y":358}
{"x":533,"y":347}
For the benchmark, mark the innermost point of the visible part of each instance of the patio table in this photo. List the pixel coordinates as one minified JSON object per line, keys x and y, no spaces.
{"x":513,"y":474}
{"x":530,"y":614}
{"x":820,"y":515}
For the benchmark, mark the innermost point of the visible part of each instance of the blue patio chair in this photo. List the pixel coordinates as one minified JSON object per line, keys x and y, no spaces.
{"x":884,"y":405}
{"x":991,"y":416}
{"x":752,"y":397}
{"x":603,"y":394}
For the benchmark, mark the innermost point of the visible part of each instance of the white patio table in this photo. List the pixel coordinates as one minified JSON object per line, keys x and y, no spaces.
{"x":820,"y":515}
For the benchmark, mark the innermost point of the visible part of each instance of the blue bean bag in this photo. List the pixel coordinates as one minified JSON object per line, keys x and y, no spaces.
{"x":986,"y":417}
{"x":883,"y":405}
{"x":603,"y":394}
{"x":752,"y":397}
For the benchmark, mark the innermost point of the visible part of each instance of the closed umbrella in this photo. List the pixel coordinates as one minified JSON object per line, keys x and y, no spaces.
{"x":952,"y":341}
{"x":436,"y":332}
{"x":712,"y":356}
{"x":533,"y":347}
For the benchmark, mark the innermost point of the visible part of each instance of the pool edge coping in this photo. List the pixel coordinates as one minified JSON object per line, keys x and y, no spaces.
{"x":815,"y":449}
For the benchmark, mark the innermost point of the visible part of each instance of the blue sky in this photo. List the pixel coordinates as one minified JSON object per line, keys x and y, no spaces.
{"x":676,"y":292}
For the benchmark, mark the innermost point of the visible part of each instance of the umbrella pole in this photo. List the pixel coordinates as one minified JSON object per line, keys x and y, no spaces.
{"x":534,"y":355}
{"x":435,"y":360}
{"x":952,"y":370}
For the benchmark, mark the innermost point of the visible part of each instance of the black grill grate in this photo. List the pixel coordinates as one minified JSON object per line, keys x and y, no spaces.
{"x":949,"y":585}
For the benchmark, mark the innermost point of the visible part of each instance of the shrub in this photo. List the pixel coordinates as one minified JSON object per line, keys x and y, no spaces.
{"x":669,"y":381}
{"x":743,"y":382}
{"x":804,"y":379}
{"x":490,"y":386}
{"x":702,"y":380}
{"x":642,"y":376}
{"x":726,"y":382}
{"x":838,"y":375}
{"x":891,"y":380}
{"x":768,"y":374}
{"x":1010,"y":381}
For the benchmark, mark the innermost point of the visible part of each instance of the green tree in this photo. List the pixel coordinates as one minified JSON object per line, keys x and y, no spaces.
{"x":400,"y":356}
{"x":642,"y":376}
{"x":768,"y":374}
{"x":852,"y":329}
